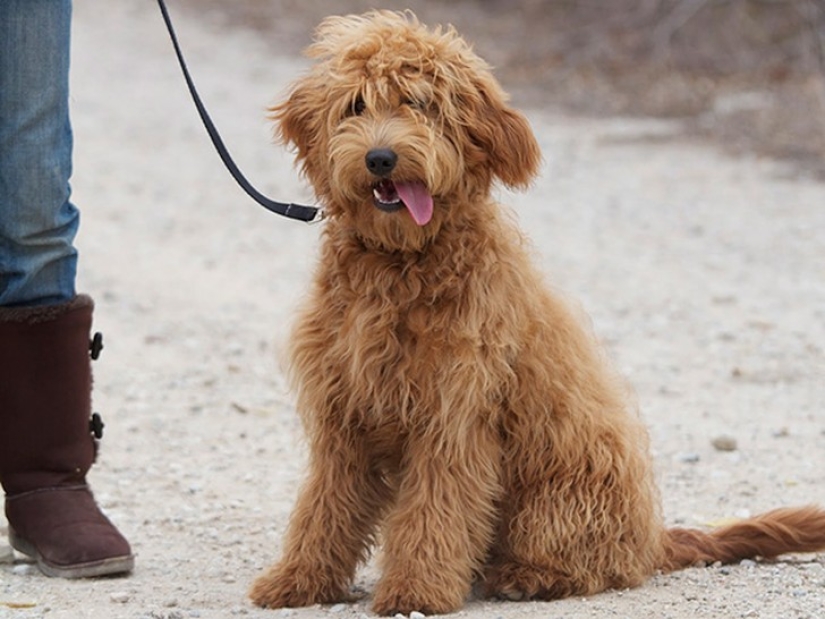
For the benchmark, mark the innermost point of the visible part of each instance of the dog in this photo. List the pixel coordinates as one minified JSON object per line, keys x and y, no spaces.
{"x":458,"y":412}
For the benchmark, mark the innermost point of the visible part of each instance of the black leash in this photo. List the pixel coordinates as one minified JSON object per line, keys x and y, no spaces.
{"x":294,"y":211}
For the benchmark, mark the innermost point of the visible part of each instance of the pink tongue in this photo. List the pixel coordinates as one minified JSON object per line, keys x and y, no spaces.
{"x":417,"y":199}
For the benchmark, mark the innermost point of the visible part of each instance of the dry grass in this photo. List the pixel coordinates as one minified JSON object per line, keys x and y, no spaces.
{"x":747,"y":73}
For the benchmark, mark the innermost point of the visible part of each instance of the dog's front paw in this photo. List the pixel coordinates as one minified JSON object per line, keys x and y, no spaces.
{"x":410,"y":595}
{"x":288,"y":586}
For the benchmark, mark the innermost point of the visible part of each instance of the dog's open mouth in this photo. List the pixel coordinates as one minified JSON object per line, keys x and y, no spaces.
{"x":390,"y":196}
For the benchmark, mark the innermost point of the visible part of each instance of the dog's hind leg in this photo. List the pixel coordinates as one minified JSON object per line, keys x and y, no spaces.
{"x":552,"y":548}
{"x":581,"y":519}
{"x":332,"y":527}
{"x":441,"y":527}
{"x":580,"y":511}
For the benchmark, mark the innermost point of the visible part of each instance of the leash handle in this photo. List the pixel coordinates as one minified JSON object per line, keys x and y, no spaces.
{"x":300,"y":212}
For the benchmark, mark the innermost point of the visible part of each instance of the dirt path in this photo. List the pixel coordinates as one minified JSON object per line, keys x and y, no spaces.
{"x":704,"y":275}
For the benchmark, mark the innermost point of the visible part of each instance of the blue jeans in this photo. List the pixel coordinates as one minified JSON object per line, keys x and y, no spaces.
{"x":38,"y":223}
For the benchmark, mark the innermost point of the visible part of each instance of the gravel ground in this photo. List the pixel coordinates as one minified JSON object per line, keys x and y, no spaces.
{"x":704,"y":275}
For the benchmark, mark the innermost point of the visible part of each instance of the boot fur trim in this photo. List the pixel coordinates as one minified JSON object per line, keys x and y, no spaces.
{"x":43,"y":313}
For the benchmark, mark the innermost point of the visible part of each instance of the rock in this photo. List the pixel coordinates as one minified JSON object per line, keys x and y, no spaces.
{"x":724,"y":443}
{"x":416,"y":615}
{"x":119,"y":597}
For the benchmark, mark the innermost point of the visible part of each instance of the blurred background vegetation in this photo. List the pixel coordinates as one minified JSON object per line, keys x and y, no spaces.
{"x":749,"y":74}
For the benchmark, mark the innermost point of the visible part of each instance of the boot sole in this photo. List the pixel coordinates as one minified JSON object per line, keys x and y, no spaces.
{"x":92,"y":569}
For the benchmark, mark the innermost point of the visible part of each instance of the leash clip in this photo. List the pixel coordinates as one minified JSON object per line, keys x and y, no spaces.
{"x":320,"y":215}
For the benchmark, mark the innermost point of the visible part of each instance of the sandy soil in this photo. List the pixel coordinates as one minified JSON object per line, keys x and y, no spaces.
{"x":704,"y":275}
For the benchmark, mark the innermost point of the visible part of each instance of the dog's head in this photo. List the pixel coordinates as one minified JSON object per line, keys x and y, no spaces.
{"x":398,"y":127}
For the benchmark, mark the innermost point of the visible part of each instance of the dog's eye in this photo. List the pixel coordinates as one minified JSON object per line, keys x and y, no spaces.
{"x":358,"y":106}
{"x":416,"y":104}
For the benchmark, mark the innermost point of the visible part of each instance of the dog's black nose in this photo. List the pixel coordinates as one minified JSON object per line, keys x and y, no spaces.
{"x":381,"y":161}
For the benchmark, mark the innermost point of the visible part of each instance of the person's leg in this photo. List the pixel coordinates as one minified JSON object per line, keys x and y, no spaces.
{"x":46,"y":443}
{"x":38,"y":223}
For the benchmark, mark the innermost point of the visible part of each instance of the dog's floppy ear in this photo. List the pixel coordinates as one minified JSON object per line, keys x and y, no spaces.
{"x":300,"y":119}
{"x":503,"y":135}
{"x":296,"y":118}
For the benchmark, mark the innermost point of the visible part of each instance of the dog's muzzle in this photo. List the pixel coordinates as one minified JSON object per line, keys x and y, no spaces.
{"x":391,"y":195}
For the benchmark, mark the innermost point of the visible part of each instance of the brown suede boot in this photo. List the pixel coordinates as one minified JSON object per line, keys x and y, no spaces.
{"x":47,"y":444}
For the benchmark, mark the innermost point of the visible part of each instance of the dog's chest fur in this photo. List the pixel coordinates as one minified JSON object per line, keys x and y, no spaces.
{"x":392,"y":330}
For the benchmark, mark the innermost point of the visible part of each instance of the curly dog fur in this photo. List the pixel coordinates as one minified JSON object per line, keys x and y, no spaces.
{"x":453,"y":402}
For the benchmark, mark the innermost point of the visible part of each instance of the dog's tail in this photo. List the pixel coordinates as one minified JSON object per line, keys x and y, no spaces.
{"x":792,"y":529}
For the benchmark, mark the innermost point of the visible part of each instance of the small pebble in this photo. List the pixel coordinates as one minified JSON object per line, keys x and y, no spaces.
{"x":416,"y":615}
{"x":337,"y":608}
{"x":747,"y":563}
{"x":689,"y":458}
{"x":724,"y":443}
{"x":119,"y":597}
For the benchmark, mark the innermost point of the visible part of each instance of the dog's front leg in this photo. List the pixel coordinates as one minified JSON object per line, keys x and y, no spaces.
{"x":439,"y":532}
{"x":331,"y":527}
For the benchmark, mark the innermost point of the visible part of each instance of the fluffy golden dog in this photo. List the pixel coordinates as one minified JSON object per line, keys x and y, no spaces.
{"x":457,"y":410}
